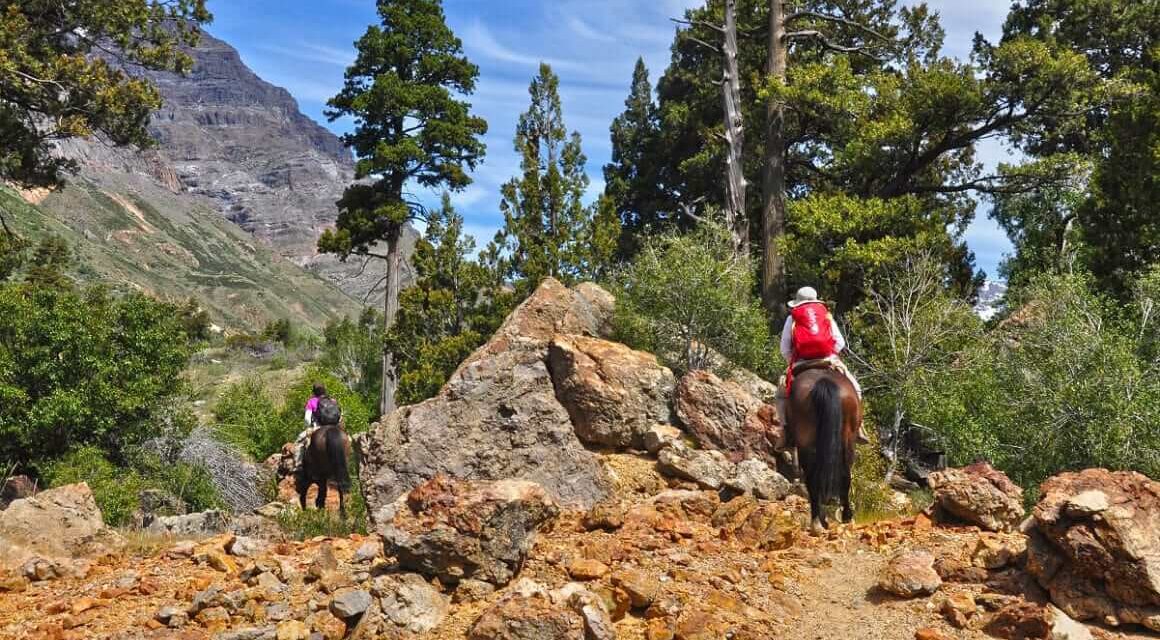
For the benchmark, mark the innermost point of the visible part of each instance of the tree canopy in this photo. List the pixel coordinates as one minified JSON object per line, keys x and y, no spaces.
{"x":68,"y":70}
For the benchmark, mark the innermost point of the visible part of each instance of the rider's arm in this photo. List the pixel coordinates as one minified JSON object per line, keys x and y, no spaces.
{"x":308,"y":418}
{"x":787,"y":339}
{"x":839,"y":339}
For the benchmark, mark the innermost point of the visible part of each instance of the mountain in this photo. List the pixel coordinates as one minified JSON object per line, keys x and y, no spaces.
{"x":227,"y":207}
{"x":991,"y":298}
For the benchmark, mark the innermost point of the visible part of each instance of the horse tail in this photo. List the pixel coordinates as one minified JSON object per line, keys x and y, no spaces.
{"x":336,"y":448}
{"x":826,"y":473}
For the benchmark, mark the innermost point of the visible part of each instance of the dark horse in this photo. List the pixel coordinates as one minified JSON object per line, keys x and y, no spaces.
{"x":823,"y":413}
{"x":325,"y":459}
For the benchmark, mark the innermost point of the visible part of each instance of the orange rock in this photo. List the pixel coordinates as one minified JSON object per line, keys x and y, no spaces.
{"x":658,"y":629}
{"x":930,"y":633}
{"x":587,"y":569}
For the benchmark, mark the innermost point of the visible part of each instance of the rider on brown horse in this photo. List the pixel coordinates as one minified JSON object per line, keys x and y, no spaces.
{"x":820,"y":403}
{"x":810,"y":337}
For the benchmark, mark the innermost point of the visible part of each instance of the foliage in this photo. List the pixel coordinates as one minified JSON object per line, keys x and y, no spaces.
{"x":311,"y":523}
{"x":117,"y":490}
{"x":685,"y":298}
{"x":1067,"y":382}
{"x":64,"y":74}
{"x":278,"y":331}
{"x":247,"y":418}
{"x":83,"y":367}
{"x":631,"y":182}
{"x":13,"y":250}
{"x":1116,"y":39}
{"x":547,"y":229}
{"x":352,"y":352}
{"x":409,"y":126}
{"x":356,"y":417}
{"x":454,"y":305}
{"x":907,"y":331}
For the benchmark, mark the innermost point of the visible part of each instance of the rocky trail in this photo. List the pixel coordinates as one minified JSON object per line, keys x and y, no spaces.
{"x":562,"y":486}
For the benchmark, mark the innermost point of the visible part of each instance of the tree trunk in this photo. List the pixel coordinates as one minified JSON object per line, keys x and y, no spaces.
{"x":390,"y":311}
{"x":735,"y":217}
{"x":773,"y":277}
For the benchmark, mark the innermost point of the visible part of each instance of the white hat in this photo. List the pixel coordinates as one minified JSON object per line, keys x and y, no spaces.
{"x":804,"y":295}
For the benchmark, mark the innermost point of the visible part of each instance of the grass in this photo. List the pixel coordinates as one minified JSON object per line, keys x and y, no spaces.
{"x":186,"y":252}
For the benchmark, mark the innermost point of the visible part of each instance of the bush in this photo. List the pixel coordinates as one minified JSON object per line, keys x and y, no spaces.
{"x":116,"y":490}
{"x":246,"y":417}
{"x":1065,"y":383}
{"x":355,"y":414}
{"x":83,"y":368}
{"x":311,"y":523}
{"x":684,"y":297}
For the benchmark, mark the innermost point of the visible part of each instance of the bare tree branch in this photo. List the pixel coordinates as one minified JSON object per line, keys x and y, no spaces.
{"x":699,"y":23}
{"x":836,"y":19}
{"x":828,"y":44}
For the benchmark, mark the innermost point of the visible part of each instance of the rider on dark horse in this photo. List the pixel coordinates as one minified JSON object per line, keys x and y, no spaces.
{"x":812,"y":337}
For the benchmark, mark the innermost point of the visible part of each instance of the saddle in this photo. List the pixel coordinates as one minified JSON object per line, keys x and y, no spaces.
{"x":807,"y":365}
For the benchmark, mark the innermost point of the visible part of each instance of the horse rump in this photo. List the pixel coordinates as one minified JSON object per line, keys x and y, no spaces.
{"x":825,"y":474}
{"x":336,"y":449}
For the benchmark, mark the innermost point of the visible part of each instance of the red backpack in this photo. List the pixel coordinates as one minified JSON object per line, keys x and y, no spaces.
{"x":813,"y":337}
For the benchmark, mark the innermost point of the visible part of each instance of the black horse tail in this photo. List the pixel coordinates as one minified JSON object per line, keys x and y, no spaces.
{"x":336,"y":454}
{"x":826,"y":473}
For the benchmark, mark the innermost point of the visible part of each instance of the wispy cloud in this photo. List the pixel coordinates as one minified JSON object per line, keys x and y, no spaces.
{"x":584,"y":30}
{"x":479,"y":39}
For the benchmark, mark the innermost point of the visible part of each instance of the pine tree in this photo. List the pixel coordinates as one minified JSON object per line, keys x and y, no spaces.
{"x":545,"y":219}
{"x":452,"y":307}
{"x":631,"y":180}
{"x":408,"y":128}
{"x":56,"y":84}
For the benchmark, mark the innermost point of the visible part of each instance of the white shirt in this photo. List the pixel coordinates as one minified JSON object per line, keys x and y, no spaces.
{"x":787,"y":338}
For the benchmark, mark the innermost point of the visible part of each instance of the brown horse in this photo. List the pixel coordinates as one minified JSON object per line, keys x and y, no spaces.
{"x":325,"y":459}
{"x":823,"y":413}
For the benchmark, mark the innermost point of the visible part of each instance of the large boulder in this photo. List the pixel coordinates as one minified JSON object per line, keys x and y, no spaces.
{"x":722,"y":414}
{"x":191,"y":525}
{"x":497,"y":417}
{"x":531,"y":617}
{"x":455,"y":530}
{"x":613,"y":394}
{"x":1095,"y":546}
{"x":64,"y":522}
{"x":977,"y":494}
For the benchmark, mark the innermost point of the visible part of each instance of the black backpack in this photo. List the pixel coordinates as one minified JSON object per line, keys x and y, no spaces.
{"x":328,"y":412}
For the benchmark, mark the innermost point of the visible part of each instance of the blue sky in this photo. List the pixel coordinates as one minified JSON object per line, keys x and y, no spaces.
{"x":305,"y":45}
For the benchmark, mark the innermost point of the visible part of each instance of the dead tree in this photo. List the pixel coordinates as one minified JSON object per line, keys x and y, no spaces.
{"x":734,"y":135}
{"x":773,"y":211}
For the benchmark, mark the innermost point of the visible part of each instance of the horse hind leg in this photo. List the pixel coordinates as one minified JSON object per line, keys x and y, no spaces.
{"x":320,"y":500}
{"x":847,"y":508}
{"x":341,"y":503}
{"x":301,"y":485}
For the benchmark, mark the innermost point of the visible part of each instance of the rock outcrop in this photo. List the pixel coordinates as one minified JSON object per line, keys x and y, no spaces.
{"x":910,"y":574}
{"x":498,"y":415}
{"x":455,"y":530}
{"x":722,"y":414}
{"x":977,"y":494}
{"x":64,"y":522}
{"x":1095,"y":546}
{"x":613,"y":394}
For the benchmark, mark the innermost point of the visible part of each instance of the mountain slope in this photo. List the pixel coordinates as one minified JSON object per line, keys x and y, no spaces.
{"x":127,"y":232}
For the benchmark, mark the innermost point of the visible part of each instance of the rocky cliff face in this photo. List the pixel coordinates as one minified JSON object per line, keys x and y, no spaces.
{"x":230,"y":142}
{"x":243,"y":143}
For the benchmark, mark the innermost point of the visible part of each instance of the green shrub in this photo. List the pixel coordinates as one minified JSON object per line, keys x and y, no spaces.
{"x":354,"y":411}
{"x":116,"y":490}
{"x":684,"y":297}
{"x":246,"y":417}
{"x":303,"y":525}
{"x":83,"y":368}
{"x":1066,"y":383}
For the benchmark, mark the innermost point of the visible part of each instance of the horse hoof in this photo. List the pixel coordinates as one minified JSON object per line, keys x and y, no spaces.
{"x":816,"y":528}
